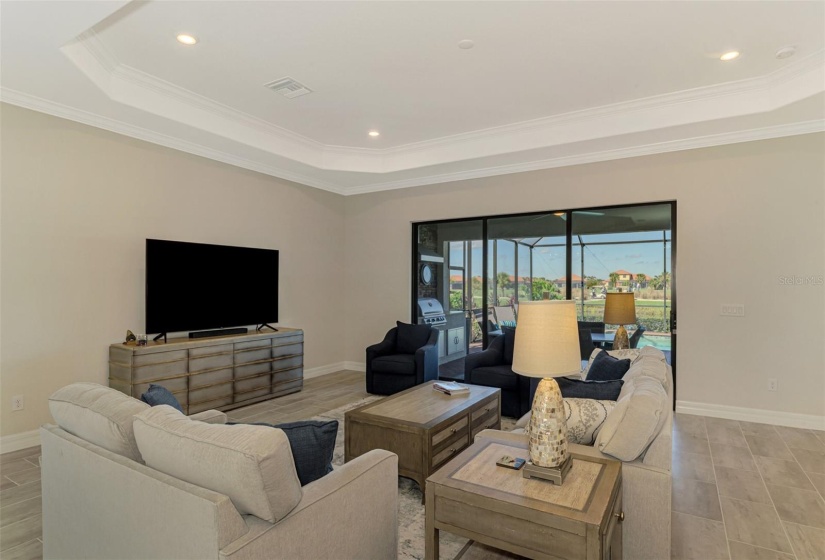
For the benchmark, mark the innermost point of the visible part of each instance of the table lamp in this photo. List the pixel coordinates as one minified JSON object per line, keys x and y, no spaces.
{"x":547,"y":345}
{"x":620,"y":309}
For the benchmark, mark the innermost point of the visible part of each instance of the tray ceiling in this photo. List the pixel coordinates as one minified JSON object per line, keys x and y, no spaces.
{"x":546,"y":83}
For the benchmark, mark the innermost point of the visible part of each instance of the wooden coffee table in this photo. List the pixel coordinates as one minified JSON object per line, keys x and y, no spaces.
{"x":498,"y":507}
{"x":424,"y":427}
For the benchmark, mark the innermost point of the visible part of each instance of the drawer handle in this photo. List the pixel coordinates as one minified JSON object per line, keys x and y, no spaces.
{"x":620,"y":516}
{"x":452,"y":450}
{"x":453,"y":430}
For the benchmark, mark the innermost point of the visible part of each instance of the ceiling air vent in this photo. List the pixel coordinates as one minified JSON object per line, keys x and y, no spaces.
{"x":288,"y":87}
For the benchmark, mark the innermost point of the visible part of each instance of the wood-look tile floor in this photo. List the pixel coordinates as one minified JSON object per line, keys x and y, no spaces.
{"x":741,"y":491}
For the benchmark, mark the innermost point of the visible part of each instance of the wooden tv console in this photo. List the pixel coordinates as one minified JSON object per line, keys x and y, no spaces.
{"x":221,"y":372}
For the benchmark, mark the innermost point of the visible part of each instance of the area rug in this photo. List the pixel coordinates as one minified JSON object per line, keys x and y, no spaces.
{"x":410,"y":508}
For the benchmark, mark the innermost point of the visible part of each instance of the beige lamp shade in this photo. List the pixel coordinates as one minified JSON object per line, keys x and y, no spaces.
{"x":619,"y":308}
{"x":547,"y":339}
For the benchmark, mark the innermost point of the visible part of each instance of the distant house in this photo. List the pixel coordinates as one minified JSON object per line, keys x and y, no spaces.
{"x":575,"y":282}
{"x":625,"y":279}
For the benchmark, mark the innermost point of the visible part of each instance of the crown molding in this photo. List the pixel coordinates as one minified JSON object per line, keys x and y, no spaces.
{"x":145,"y":92}
{"x":34,"y":103}
{"x":766,"y":133}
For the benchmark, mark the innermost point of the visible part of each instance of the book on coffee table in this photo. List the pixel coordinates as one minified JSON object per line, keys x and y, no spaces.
{"x":450,"y":387}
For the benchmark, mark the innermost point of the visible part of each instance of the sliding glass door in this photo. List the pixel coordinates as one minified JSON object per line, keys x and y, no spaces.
{"x":479,"y":270}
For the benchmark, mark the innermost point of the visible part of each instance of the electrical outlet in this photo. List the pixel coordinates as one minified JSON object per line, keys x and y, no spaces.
{"x":773,"y":384}
{"x":732,"y":310}
{"x":17,"y":403}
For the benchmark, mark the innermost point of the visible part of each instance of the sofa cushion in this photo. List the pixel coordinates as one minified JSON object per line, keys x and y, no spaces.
{"x":252,"y":465}
{"x":628,"y":353}
{"x":509,"y":343}
{"x":397,"y":364}
{"x":638,"y":418}
{"x":605,"y":367}
{"x":158,"y":394}
{"x":648,"y":366}
{"x":495,"y":376}
{"x":411,"y":337}
{"x":100,"y":415}
{"x":585,"y":417}
{"x":312,"y":443}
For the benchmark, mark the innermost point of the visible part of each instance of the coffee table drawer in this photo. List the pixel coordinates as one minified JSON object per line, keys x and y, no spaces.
{"x":484,"y":410}
{"x":450,"y":452}
{"x":449,"y":431}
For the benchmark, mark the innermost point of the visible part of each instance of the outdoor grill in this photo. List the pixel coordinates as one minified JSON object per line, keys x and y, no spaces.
{"x":430,"y":312}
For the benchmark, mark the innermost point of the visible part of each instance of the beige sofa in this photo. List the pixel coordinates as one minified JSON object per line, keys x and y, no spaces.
{"x":101,"y":501}
{"x":640,"y":433}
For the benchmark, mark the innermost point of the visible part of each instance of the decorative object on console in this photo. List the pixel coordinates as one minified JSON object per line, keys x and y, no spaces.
{"x":131,"y":339}
{"x":620,"y":309}
{"x":547,"y":346}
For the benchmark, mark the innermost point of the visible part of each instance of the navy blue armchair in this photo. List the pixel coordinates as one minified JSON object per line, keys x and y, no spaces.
{"x":494,"y":368}
{"x":408,"y":356}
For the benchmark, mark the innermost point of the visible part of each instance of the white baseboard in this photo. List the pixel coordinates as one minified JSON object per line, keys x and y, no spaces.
{"x":355,"y":366}
{"x":16,"y":442}
{"x":791,"y":419}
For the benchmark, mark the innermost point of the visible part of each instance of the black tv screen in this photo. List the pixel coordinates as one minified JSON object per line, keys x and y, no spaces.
{"x":195,"y":286}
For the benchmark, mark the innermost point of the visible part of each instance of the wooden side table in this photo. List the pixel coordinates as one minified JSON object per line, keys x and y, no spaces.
{"x":473,"y":497}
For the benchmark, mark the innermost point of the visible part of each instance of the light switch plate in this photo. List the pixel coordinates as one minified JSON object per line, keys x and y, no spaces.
{"x":732,"y":310}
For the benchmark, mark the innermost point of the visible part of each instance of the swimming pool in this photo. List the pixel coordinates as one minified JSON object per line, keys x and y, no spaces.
{"x":660,"y":341}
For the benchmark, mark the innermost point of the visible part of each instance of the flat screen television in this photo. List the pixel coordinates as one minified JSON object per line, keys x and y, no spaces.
{"x":195,"y":286}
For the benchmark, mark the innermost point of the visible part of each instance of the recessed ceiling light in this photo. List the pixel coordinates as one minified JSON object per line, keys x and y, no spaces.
{"x":186,"y":39}
{"x":374,"y":133}
{"x":785,"y":52}
{"x":731,"y":55}
{"x":466,"y":44}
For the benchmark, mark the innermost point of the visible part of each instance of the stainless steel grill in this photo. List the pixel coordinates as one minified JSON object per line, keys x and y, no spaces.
{"x":430,"y":312}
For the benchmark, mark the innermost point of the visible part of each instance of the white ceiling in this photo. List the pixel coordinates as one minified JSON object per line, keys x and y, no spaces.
{"x":547,"y":83}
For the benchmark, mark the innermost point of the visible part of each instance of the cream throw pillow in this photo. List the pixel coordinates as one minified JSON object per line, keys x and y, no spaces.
{"x":637,"y":419}
{"x":252,"y":465}
{"x":585,"y":417}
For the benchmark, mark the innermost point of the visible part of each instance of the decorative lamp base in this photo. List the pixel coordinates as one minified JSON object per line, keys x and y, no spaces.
{"x":620,"y":341}
{"x":556,"y":475}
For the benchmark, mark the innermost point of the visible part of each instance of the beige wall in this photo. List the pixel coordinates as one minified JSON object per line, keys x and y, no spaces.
{"x":77,"y":205}
{"x":747,"y":214}
{"x":78,"y":202}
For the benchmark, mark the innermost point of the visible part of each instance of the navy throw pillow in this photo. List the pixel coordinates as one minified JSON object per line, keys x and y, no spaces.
{"x":157,"y":394}
{"x":312,"y":443}
{"x":580,"y":389}
{"x":509,"y":343}
{"x":411,"y":337}
{"x":606,"y":368}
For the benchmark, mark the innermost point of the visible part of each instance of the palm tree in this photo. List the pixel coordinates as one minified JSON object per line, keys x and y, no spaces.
{"x":503,"y":280}
{"x":614,"y":279}
{"x":642,"y":280}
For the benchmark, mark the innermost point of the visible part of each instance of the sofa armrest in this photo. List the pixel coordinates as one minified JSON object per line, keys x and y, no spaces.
{"x":210,"y":417}
{"x":349,"y":513}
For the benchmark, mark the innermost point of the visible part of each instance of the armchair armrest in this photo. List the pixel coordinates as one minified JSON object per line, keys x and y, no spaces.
{"x":426,"y":359}
{"x":210,"y":417}
{"x":350,"y":513}
{"x":386,"y":346}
